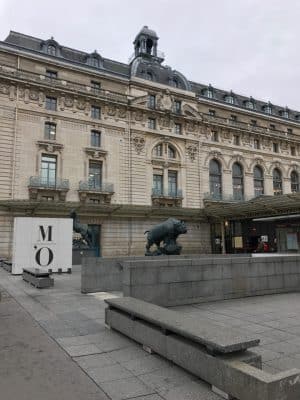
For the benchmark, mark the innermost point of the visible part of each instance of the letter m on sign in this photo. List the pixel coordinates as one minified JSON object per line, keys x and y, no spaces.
{"x":45,"y":234}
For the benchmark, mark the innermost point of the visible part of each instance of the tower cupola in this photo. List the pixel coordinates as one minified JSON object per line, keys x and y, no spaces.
{"x":145,"y":43}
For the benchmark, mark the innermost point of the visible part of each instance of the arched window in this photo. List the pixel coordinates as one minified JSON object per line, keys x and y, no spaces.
{"x":158,"y":150}
{"x":215,"y":179}
{"x":294,"y":182}
{"x":149,"y":45}
{"x":277,"y":182}
{"x":237,"y":181}
{"x":51,"y":49}
{"x":171,"y":152}
{"x":175,"y":82}
{"x":166,"y":179}
{"x":258,"y":181}
{"x":149,"y":76}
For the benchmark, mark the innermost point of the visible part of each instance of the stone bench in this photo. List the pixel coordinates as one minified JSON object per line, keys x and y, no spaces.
{"x":214,"y":353}
{"x":37,"y":278}
{"x":6,"y":264}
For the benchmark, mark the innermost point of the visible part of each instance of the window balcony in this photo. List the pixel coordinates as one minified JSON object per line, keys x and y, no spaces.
{"x":41,"y":188}
{"x":237,"y":197}
{"x":88,"y":191}
{"x":170,"y":198}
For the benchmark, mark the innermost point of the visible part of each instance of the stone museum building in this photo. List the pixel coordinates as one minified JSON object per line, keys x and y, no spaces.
{"x":129,"y":145}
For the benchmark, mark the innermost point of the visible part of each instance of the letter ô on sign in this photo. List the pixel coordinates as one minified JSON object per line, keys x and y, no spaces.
{"x":43,"y":234}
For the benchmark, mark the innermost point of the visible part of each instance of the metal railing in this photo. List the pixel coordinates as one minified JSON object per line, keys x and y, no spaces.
{"x":91,"y":187}
{"x":167,"y":193}
{"x":228,"y":122}
{"x":229,"y":197}
{"x":47,"y":183}
{"x":13,"y":73}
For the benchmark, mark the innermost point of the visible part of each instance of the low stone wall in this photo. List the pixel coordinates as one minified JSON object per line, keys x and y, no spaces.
{"x":101,"y":274}
{"x":185,"y":281}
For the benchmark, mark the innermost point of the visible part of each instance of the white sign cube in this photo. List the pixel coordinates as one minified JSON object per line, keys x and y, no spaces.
{"x":44,"y":243}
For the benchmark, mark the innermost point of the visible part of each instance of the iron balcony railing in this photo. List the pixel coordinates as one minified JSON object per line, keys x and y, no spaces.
{"x":48,"y":183}
{"x":247,"y":126}
{"x":167,"y":193}
{"x":12,"y":73}
{"x":229,"y":197}
{"x":91,"y":187}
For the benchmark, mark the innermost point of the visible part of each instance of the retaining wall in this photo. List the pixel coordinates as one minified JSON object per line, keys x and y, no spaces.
{"x":186,"y":281}
{"x":100,"y":274}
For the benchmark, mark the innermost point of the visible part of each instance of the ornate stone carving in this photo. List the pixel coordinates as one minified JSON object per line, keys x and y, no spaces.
{"x":139,"y":143}
{"x":138,"y":115}
{"x":164,"y":101}
{"x":111,"y":110}
{"x":41,"y":99}
{"x":69,"y":102}
{"x":80,"y":104}
{"x":190,"y":111}
{"x":33,"y":95}
{"x":191,"y":126}
{"x":49,"y":146}
{"x":192,"y":150}
{"x":95,"y":152}
{"x":165,"y":121}
{"x":4,"y":89}
{"x":122,"y":113}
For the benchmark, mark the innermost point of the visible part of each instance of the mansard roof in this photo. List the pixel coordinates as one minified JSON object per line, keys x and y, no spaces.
{"x":35,"y":45}
{"x":150,"y":69}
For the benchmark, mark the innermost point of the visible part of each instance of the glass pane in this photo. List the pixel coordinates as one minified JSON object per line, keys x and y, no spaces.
{"x":172,"y":183}
{"x":95,"y":175}
{"x":158,"y":184}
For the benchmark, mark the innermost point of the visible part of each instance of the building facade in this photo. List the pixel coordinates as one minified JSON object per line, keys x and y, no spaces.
{"x":129,"y":145}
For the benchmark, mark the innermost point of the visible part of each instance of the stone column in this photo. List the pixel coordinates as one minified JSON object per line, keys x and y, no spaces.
{"x":227,"y":183}
{"x":248,"y":185}
{"x":286,"y":185}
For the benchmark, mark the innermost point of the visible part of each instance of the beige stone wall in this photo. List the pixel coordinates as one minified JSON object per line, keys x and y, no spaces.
{"x":6,"y":234}
{"x":127,"y":144}
{"x":123,"y":237}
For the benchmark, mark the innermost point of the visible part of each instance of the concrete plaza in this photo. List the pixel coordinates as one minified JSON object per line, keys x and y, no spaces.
{"x":73,"y":355}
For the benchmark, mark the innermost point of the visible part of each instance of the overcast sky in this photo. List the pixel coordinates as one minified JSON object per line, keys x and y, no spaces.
{"x":249,"y":46}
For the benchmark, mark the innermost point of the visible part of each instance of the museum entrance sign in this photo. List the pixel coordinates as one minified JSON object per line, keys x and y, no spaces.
{"x":44,"y":243}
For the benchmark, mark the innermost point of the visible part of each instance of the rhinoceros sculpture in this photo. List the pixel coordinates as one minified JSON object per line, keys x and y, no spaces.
{"x":166,"y":232}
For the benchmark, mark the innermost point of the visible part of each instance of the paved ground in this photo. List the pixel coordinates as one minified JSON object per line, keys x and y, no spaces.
{"x":74,"y":355}
{"x":68,"y":327}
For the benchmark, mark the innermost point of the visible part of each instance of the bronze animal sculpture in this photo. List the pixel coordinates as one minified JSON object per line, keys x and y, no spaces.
{"x":166,"y":232}
{"x":83,"y":229}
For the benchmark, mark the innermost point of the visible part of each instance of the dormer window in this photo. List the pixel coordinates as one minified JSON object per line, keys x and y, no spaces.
{"x":208,"y":92}
{"x":249,"y":104}
{"x":51,"y":50}
{"x":94,"y":62}
{"x":229,"y":99}
{"x":285,"y":113}
{"x":268,"y":109}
